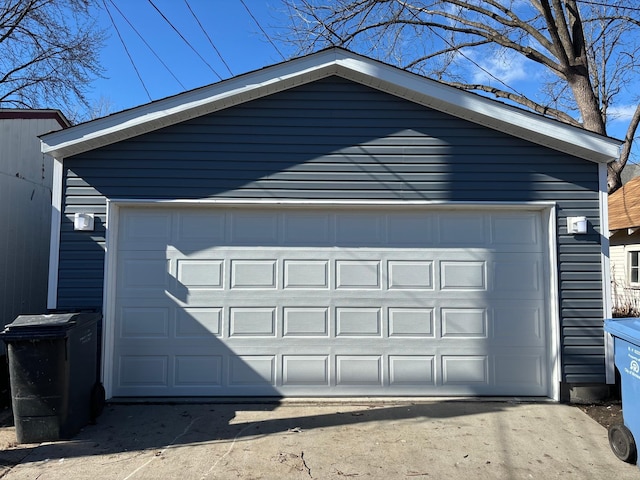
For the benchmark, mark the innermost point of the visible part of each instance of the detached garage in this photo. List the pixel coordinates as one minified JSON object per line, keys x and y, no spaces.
{"x":334,"y":226}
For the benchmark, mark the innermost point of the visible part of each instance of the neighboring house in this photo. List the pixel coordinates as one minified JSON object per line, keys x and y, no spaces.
{"x":629,"y":172}
{"x":333,"y":225}
{"x":25,"y":210}
{"x":624,"y":228}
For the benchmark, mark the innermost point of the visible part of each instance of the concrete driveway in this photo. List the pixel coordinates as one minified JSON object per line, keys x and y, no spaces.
{"x":319,"y":440}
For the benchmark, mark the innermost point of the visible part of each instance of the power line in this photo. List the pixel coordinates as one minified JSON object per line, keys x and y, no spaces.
{"x":126,"y":50}
{"x":459,"y":51}
{"x":262,"y":29}
{"x":208,"y":37}
{"x":147,"y":44}
{"x":604,"y":4}
{"x":184,"y":39}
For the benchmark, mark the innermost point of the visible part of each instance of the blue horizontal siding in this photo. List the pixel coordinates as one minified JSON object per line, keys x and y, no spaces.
{"x":335,"y":139}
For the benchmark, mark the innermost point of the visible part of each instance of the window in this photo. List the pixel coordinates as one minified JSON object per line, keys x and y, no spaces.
{"x":634,"y":267}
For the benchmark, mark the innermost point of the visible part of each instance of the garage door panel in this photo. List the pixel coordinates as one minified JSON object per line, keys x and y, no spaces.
{"x":197,"y":322}
{"x":358,"y":274}
{"x":410,"y":275}
{"x":145,"y":274}
{"x":253,"y":274}
{"x":302,"y":229}
{"x":201,"y":274}
{"x":411,"y":322}
{"x":465,"y":369}
{"x":305,"y":322}
{"x":518,"y":274}
{"x":358,"y":370}
{"x":144,"y":322}
{"x":252,"y":370}
{"x":411,"y":230}
{"x":463,"y":229}
{"x":252,"y":321}
{"x":143,"y":371}
{"x":464,"y":323}
{"x":358,"y":321}
{"x":463,"y":275}
{"x":520,"y":228}
{"x":412,"y":370}
{"x":198,"y":370}
{"x":358,"y":229}
{"x":144,"y":229}
{"x":518,"y":368}
{"x":306,"y":274}
{"x":253,"y":228}
{"x":519,"y":322}
{"x":330,"y":302}
{"x":200,"y":227}
{"x":310,"y":370}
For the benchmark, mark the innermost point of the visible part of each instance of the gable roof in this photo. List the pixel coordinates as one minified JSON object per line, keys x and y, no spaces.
{"x":329,"y":62}
{"x":624,"y":206}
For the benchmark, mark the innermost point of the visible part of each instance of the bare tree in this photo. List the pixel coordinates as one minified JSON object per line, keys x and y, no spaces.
{"x":585,"y":52}
{"x":96,"y":108}
{"x":49,"y":52}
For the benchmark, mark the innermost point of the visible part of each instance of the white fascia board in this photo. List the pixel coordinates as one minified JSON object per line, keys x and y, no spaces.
{"x":253,"y":85}
{"x":484,"y":111}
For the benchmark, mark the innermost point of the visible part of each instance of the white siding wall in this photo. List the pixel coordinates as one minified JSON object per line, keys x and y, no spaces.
{"x":624,"y":294}
{"x":25,"y":215}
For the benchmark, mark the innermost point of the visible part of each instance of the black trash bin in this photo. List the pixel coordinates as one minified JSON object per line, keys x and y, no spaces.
{"x":53,"y":372}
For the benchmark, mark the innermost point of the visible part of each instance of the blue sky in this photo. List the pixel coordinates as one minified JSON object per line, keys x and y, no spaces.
{"x":238,"y":39}
{"x":231,"y":29}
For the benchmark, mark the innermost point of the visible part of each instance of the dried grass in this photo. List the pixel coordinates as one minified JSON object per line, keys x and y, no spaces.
{"x":626,"y":300}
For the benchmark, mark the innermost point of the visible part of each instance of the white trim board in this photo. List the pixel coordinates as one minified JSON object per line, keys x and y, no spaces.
{"x":607,"y":300}
{"x":348,"y":65}
{"x":554,"y":333}
{"x":318,"y":203}
{"x":54,"y":243}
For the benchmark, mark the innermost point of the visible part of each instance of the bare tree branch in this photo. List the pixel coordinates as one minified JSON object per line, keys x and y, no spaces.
{"x":615,"y":168}
{"x":444,"y":51}
{"x":519,"y":99}
{"x":48,"y":52}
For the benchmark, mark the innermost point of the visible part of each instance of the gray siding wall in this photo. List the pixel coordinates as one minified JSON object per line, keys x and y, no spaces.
{"x":334,"y":139}
{"x":25,"y":217}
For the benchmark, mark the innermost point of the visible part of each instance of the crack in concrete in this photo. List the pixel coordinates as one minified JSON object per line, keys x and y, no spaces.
{"x":213,"y":467}
{"x":161,"y":452}
{"x":304,"y":464}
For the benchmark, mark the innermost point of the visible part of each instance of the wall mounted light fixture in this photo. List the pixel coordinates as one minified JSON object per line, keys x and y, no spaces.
{"x":83,"y":222}
{"x":576,"y":225}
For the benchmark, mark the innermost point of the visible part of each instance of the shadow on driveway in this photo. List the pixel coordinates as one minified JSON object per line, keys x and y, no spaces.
{"x":128,"y":427}
{"x":374,"y":439}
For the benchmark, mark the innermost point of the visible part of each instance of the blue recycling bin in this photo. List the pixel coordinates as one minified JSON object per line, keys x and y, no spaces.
{"x":626,"y":336}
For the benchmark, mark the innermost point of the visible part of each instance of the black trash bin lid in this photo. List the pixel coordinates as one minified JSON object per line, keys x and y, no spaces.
{"x":45,"y":325}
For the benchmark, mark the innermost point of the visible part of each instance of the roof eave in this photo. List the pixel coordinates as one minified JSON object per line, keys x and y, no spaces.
{"x":334,"y":61}
{"x":484,"y":111}
{"x":185,"y":106}
{"x":629,"y":230}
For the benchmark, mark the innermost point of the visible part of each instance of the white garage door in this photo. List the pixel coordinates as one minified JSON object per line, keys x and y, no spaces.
{"x":322,"y":302}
